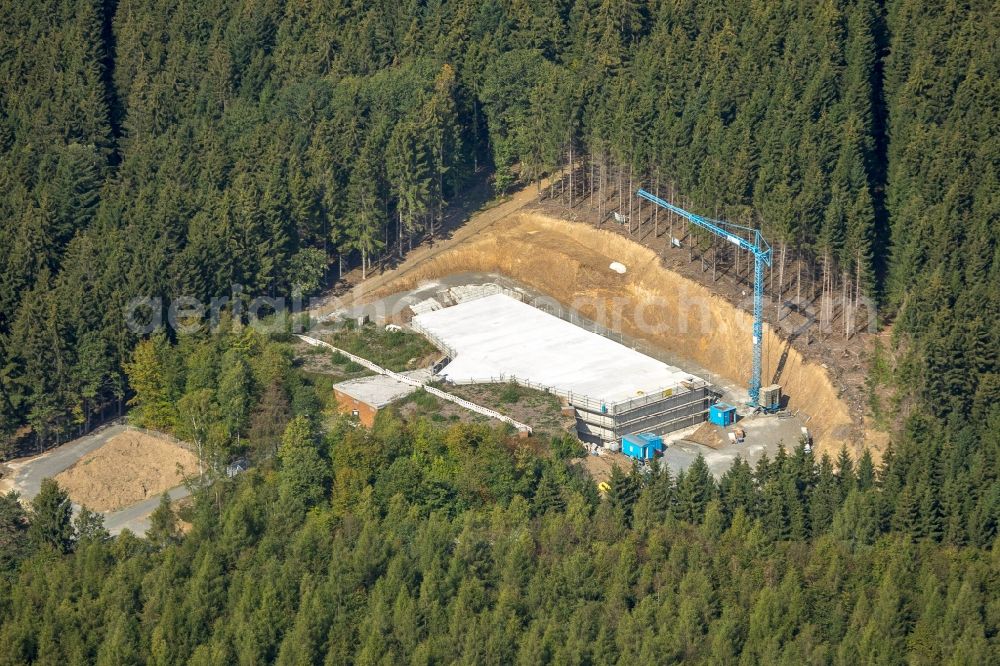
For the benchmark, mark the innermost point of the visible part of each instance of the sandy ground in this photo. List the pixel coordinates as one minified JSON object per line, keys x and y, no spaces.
{"x":130,"y":468}
{"x":845,"y":360}
{"x":25,"y":476}
{"x":599,"y":467}
{"x":710,"y":435}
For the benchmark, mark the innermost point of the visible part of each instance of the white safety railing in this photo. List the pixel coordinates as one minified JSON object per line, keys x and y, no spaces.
{"x":434,"y":339}
{"x":585,"y":401}
{"x":461,"y":402}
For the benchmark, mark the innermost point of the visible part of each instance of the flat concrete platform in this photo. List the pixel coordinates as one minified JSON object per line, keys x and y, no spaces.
{"x":381,"y":390}
{"x":496,"y":337}
{"x":764,"y":434}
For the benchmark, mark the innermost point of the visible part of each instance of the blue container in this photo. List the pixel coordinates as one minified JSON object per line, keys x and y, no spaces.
{"x":722,"y":414}
{"x":652,"y":439}
{"x":643,"y":446}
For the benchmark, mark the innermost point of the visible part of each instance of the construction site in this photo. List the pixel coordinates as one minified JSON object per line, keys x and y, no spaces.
{"x":586,"y":313}
{"x":613,"y":389}
{"x":550,"y":325}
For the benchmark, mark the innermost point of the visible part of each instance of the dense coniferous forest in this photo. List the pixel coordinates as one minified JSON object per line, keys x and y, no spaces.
{"x":159,"y":149}
{"x":155,"y":150}
{"x":418,"y":543}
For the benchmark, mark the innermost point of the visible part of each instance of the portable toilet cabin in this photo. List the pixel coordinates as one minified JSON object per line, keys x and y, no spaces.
{"x":641,"y":447}
{"x":722,"y":414}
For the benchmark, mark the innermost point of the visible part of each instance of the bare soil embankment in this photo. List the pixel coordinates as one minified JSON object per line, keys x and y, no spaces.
{"x":569,"y":261}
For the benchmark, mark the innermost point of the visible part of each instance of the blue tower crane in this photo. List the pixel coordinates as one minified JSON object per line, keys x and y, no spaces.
{"x":761,"y":250}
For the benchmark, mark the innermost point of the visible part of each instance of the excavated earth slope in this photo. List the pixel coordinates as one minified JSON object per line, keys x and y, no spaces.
{"x":570,"y":262}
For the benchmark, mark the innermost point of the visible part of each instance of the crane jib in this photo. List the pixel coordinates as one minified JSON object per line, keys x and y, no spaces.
{"x":762,"y":257}
{"x":757,"y":246}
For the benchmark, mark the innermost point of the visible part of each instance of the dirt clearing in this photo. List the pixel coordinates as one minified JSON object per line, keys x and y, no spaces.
{"x":129,"y":468}
{"x":710,"y":435}
{"x":542,"y":411}
{"x":599,"y":467}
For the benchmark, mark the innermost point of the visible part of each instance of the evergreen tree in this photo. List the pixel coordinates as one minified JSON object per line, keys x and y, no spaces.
{"x":163,"y":529}
{"x":930,"y":515}
{"x":660,"y":491}
{"x":736,"y":489}
{"x":845,"y":472}
{"x":694,"y":491}
{"x":303,"y":473}
{"x":235,"y":394}
{"x":547,"y":496}
{"x":51,"y":525}
{"x":624,"y":490}
{"x":89,"y":527}
{"x":866,"y":471}
{"x":14,"y":537}
{"x":825,"y":497}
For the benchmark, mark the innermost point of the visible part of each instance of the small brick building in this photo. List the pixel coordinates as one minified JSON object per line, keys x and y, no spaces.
{"x":348,"y":404}
{"x":363,"y":398}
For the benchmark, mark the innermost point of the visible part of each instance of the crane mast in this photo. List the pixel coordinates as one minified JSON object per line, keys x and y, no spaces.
{"x":751,"y":240}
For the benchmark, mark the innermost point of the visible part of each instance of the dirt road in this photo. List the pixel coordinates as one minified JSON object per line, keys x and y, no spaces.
{"x":27,"y":474}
